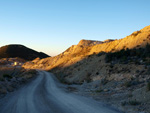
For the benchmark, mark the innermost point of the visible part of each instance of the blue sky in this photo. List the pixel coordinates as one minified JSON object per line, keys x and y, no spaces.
{"x":52,"y":26}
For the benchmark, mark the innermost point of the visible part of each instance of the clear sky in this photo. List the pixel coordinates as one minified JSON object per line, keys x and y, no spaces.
{"x":52,"y":26}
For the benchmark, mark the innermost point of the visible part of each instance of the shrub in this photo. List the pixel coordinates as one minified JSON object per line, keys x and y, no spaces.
{"x":126,"y":55}
{"x":148,"y":86}
{"x":127,"y":84}
{"x":61,"y":78}
{"x":32,"y":72}
{"x":88,"y":77}
{"x":99,"y":90}
{"x":136,"y":33}
{"x":7,"y":76}
{"x":101,"y":53}
{"x":104,"y":81}
{"x":134,"y":102}
{"x":1,"y":79}
{"x":130,"y":95}
{"x":97,"y":73}
{"x":123,"y":103}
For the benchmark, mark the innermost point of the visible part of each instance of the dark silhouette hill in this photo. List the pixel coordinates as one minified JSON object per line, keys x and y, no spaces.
{"x":14,"y":50}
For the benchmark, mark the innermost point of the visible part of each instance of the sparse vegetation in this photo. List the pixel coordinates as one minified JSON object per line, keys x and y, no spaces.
{"x":97,"y":73}
{"x":124,"y":56}
{"x":135,"y":33}
{"x":101,"y":53}
{"x":123,"y":103}
{"x":131,"y":102}
{"x":104,"y":81}
{"x":1,"y":79}
{"x":130,"y":95}
{"x":128,"y":84}
{"x":11,"y":78}
{"x":32,"y":71}
{"x":72,"y":89}
{"x":61,"y":78}
{"x":134,"y":102}
{"x":99,"y":90}
{"x":7,"y":76}
{"x":88,"y":78}
{"x":148,"y":86}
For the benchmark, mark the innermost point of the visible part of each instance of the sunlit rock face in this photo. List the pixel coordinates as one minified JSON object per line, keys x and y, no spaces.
{"x":85,"y":48}
{"x":89,"y":42}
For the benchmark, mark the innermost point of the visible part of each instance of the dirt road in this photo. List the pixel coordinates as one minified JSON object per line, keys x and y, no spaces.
{"x":43,"y":95}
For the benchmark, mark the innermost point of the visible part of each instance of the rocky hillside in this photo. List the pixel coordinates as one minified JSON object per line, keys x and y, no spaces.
{"x":118,"y":71}
{"x":12,"y":78}
{"x":85,"y":48}
{"x":12,"y":51}
{"x":89,"y":42}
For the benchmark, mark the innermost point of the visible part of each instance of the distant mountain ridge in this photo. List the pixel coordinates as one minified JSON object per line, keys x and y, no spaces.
{"x":15,"y":50}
